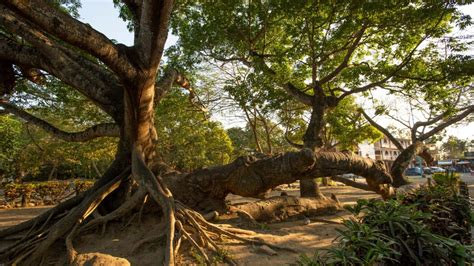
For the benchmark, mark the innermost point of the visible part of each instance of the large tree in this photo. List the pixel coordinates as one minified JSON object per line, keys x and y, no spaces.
{"x":319,"y":52}
{"x":41,"y":39}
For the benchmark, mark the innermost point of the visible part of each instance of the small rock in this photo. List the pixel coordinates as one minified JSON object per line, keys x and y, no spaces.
{"x":267,"y":250}
{"x":99,"y":259}
{"x":306,"y":221}
{"x":211,"y":216}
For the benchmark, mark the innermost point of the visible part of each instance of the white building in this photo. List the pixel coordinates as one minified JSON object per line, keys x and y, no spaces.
{"x":382,"y":150}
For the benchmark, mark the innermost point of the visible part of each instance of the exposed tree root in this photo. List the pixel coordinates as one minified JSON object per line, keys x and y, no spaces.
{"x":125,"y":208}
{"x":160,"y":193}
{"x":282,"y":208}
{"x":36,"y":244}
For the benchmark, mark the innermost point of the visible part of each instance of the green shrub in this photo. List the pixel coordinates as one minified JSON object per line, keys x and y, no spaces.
{"x":448,"y":179}
{"x":427,"y":227}
{"x":451,"y":215}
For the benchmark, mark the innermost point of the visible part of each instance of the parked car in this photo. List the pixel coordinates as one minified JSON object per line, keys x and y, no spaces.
{"x":427,"y":171}
{"x":413,"y":171}
{"x":436,"y":169}
{"x":350,"y":175}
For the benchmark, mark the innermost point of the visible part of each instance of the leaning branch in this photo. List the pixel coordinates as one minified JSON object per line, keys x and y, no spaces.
{"x":250,"y":177}
{"x":383,"y":130}
{"x":100,"y":130}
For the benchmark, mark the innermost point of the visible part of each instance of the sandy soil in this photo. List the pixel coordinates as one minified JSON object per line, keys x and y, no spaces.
{"x":10,"y":217}
{"x":119,"y":240}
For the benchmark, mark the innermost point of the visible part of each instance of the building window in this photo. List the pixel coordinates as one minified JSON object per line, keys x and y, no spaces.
{"x":386,"y":153}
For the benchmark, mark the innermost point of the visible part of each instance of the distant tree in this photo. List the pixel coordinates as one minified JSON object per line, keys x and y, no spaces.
{"x":454,"y":147}
{"x":189,"y":140}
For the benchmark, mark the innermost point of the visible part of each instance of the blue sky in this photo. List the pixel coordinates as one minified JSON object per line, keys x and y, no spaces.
{"x":102,"y":15}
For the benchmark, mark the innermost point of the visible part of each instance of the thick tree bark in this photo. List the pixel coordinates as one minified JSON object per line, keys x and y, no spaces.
{"x":426,"y":155}
{"x":312,"y":138}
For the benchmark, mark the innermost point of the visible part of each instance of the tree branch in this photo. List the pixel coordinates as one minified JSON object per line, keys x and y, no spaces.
{"x":399,"y":67}
{"x":171,"y":77}
{"x":383,"y":130}
{"x":469,"y":110}
{"x":21,"y":54}
{"x":101,"y":130}
{"x":69,"y":66}
{"x":153,"y":31}
{"x":351,"y":183}
{"x":78,"y":34}
{"x":436,"y":119}
{"x":288,"y":86}
{"x":347,"y":57}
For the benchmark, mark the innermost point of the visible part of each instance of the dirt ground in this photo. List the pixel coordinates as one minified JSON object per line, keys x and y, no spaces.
{"x":120,"y":238}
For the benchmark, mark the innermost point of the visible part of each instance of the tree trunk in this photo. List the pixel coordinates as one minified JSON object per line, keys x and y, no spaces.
{"x":51,"y":174}
{"x":402,"y":162}
{"x":253,"y":127}
{"x":313,"y":140}
{"x":267,"y":135}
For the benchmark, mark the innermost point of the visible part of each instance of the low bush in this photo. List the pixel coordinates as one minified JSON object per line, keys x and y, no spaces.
{"x":428,"y":227}
{"x":46,"y":193}
{"x":448,"y":179}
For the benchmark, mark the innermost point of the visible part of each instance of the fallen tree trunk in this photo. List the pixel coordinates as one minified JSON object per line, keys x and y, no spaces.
{"x":206,"y":189}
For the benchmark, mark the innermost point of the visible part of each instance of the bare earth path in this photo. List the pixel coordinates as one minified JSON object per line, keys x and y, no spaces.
{"x":10,"y":217}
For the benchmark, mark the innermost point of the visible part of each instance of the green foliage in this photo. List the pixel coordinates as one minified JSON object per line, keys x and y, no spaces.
{"x":306,"y":41}
{"x":455,"y":147}
{"x":39,"y":156}
{"x":29,"y":153}
{"x":451,"y":214}
{"x":187,"y":138}
{"x":347,"y":127}
{"x":447,"y":179}
{"x":10,"y":143}
{"x":428,"y":227}
{"x":293,"y":37}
